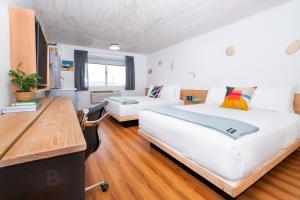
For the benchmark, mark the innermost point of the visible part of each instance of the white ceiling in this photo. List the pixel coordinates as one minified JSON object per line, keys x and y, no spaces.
{"x":142,"y":26}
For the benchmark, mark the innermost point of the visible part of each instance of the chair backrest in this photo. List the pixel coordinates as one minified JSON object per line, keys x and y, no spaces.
{"x":90,"y":127}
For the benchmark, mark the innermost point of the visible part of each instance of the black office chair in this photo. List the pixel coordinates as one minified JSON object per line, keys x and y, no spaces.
{"x":90,"y":121}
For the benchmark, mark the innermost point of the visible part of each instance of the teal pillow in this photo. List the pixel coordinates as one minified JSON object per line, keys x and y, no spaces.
{"x":155,"y":91}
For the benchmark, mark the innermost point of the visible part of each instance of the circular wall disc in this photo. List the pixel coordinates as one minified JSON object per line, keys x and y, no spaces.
{"x":230,"y":51}
{"x":293,"y":48}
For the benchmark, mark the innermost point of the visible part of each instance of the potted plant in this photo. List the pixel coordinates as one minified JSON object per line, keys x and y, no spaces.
{"x":25,"y":83}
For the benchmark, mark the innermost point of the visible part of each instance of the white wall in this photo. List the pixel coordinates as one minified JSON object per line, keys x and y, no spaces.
{"x":260,"y":42}
{"x":67,"y":53}
{"x":5,"y":94}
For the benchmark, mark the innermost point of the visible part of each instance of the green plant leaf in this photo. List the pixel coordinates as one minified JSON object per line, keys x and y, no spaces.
{"x":24,"y":82}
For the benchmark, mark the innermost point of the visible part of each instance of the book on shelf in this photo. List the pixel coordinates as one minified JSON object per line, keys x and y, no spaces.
{"x":33,"y":102}
{"x":21,"y":108}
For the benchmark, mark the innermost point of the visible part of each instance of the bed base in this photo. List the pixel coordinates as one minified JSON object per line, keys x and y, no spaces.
{"x":208,"y":175}
{"x":124,"y":119}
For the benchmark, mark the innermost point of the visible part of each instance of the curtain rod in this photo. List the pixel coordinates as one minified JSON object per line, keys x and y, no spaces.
{"x":106,"y":56}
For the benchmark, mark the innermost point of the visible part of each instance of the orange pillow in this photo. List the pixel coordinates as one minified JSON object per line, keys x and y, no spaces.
{"x":238,"y":98}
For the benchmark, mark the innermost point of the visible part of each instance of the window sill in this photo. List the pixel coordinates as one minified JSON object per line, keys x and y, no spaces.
{"x":97,"y":88}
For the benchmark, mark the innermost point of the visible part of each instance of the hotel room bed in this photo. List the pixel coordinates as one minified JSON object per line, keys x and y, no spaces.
{"x":130,"y":112}
{"x":229,"y":161}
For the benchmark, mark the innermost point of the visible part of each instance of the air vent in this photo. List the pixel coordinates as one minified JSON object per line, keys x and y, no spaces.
{"x":99,"y":96}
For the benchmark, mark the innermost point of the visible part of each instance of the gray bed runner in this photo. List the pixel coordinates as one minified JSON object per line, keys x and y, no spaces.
{"x":230,"y":127}
{"x":123,"y":100}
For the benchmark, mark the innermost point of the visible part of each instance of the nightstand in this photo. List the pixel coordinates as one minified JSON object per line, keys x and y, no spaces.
{"x":188,"y":102}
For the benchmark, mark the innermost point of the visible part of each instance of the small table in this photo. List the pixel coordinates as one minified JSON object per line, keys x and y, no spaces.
{"x":189,"y":102}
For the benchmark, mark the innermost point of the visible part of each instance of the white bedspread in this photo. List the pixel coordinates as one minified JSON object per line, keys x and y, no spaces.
{"x":145,"y":102}
{"x":230,"y":159}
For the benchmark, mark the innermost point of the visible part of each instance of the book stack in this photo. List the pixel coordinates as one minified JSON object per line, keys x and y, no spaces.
{"x":28,"y":106}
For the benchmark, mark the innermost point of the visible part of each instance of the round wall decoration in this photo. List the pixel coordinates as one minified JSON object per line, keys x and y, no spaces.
{"x":230,"y":51}
{"x":293,"y":48}
{"x":172,"y":66}
{"x":150,"y":71}
{"x":160,"y":62}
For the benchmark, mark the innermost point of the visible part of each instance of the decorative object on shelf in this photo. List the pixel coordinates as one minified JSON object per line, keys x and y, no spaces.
{"x":67,"y":66}
{"x":150,"y":71}
{"x":172,"y":66}
{"x":195,"y":99}
{"x":55,"y":66}
{"x":25,"y":83}
{"x":24,"y":96}
{"x":230,"y":51}
{"x":189,"y":98}
{"x":160,"y":62}
{"x":293,"y":48}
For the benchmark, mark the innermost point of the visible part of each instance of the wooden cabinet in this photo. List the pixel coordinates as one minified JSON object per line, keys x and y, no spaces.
{"x":22,"y":24}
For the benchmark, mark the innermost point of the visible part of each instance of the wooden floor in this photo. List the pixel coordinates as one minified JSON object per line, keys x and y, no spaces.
{"x":135,"y":171}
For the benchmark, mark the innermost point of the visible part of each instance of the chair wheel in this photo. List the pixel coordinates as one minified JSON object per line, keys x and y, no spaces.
{"x":104,"y":187}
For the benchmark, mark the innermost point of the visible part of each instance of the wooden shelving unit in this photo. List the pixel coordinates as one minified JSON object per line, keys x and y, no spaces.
{"x":23,"y":42}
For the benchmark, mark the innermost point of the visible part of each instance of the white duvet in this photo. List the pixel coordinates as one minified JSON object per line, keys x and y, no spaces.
{"x":230,"y":159}
{"x":145,"y":102}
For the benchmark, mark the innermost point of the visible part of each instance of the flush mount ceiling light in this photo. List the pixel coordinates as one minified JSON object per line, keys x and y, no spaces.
{"x":114,"y":47}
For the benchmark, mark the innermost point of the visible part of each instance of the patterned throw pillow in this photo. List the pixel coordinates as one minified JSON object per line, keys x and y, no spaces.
{"x":155,"y":91}
{"x":238,"y":98}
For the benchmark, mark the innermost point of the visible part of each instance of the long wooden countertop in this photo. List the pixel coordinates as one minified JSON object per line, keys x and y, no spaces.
{"x":52,"y":131}
{"x":13,"y":125}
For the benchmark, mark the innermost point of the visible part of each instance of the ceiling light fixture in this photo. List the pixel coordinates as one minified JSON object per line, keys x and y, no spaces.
{"x":114,"y":47}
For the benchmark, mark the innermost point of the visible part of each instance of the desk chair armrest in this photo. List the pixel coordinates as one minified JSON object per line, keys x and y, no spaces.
{"x":96,"y":122}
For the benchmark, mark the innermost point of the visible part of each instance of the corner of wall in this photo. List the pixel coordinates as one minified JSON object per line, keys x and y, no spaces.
{"x":5,"y":97}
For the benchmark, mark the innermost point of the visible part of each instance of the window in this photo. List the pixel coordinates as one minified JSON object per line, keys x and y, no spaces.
{"x":116,"y":75}
{"x":96,"y":75}
{"x":105,"y":73}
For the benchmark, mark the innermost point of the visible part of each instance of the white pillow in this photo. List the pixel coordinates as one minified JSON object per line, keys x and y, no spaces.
{"x":177,"y":92}
{"x":168,"y":92}
{"x":149,"y":90}
{"x":215,"y":95}
{"x":278,"y":99}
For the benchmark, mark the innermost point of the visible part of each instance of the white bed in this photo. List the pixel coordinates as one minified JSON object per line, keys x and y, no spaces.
{"x":130,"y":112}
{"x":228,"y":159}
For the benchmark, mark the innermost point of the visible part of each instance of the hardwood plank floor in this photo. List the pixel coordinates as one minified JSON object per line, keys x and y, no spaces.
{"x":135,"y":171}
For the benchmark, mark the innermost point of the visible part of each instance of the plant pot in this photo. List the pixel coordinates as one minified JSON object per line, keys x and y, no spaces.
{"x":24,"y":96}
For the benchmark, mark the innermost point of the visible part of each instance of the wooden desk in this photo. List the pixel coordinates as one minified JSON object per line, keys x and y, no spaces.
{"x":42,"y":153}
{"x":13,"y":126}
